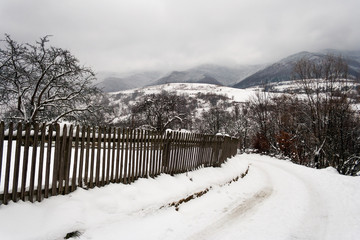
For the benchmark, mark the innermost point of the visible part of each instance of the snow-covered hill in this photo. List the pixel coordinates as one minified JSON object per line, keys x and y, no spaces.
{"x":190,"y":89}
{"x":202,"y":94}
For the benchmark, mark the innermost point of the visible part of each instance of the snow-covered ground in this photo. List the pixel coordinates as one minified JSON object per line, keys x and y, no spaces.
{"x":191,"y":89}
{"x":275,"y":200}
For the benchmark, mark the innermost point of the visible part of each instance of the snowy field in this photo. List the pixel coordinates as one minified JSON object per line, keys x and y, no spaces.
{"x":275,"y":200}
{"x":191,"y":89}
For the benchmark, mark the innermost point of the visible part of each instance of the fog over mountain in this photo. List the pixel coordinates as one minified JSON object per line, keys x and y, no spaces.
{"x":240,"y":76}
{"x":283,"y":69}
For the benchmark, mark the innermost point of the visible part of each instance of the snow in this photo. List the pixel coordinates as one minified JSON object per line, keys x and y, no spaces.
{"x":191,"y":89}
{"x":275,"y":200}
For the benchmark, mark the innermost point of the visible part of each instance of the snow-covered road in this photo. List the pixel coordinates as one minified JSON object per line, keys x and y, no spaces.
{"x":275,"y":200}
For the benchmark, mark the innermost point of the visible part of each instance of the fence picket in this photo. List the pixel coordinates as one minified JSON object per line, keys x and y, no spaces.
{"x":2,"y":126}
{"x":108,"y":156}
{"x":92,"y":161}
{"x":33,"y":164}
{"x":172,"y":153}
{"x":153,"y":154}
{"x":125,"y":176}
{"x":141,"y":162}
{"x":87,"y":157}
{"x":98,"y":157}
{"x":146,"y":154}
{"x":41,"y":163}
{"x":112,"y":171}
{"x":25,"y":161}
{"x":48,"y":161}
{"x":121,"y":178}
{"x":8,"y":164}
{"x":137,"y":153}
{"x":54,"y":190}
{"x":81,"y":164}
{"x":17,"y":162}
{"x":68,"y":158}
{"x":76,"y":155}
{"x":117,"y":170}
{"x":103,"y":158}
{"x":133,"y":156}
{"x":62,"y":163}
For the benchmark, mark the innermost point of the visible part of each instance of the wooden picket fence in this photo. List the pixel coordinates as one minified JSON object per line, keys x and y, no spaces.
{"x":38,"y":161}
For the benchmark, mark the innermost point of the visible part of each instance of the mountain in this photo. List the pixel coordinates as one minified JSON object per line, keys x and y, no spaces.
{"x":225,"y":74}
{"x":186,"y":77}
{"x":211,"y":74}
{"x":283,"y":69}
{"x":276,"y":72}
{"x":351,"y":57}
{"x":113,"y":82}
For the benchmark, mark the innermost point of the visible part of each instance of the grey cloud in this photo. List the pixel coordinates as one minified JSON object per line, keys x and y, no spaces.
{"x":140,"y":34}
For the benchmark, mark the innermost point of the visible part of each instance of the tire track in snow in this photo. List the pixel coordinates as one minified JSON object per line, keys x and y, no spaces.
{"x":315,"y":220}
{"x":238,"y":213}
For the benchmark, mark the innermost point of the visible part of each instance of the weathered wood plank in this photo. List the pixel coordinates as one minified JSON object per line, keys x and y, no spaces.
{"x":141,"y":154}
{"x":146,"y":157}
{"x":117,"y":168}
{"x":103,"y":159}
{"x":68,"y":158}
{"x":25,"y":161}
{"x":82,"y":151}
{"x":76,"y":156}
{"x":33,"y":163}
{"x":137,"y":164}
{"x":133,"y":159}
{"x":41,"y":162}
{"x":2,"y":127}
{"x":98,"y":157}
{"x":8,"y":164}
{"x":108,"y":162}
{"x":62,"y":163}
{"x":57,"y":159}
{"x":87,"y":157}
{"x":131,"y":156}
{"x":123,"y":139}
{"x":48,"y":160}
{"x":126,"y":175}
{"x":17,"y":162}
{"x":92,"y":161}
{"x":113,"y":164}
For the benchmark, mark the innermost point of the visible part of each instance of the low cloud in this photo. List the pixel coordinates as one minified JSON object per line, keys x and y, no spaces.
{"x":167,"y":34}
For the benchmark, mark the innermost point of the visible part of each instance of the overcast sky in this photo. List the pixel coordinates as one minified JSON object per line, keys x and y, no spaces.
{"x":125,"y":35}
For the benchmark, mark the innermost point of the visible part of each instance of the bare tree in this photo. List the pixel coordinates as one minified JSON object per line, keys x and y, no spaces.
{"x":330,"y":117}
{"x":42,"y":83}
{"x":160,"y":111}
{"x":215,"y":120}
